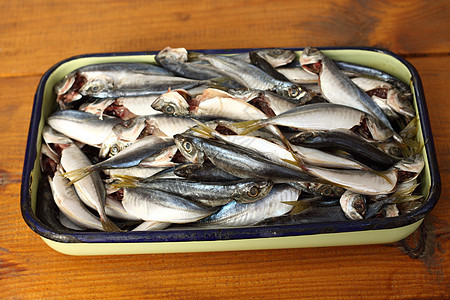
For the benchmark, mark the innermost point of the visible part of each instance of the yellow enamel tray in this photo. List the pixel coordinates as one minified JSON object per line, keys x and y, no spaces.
{"x":312,"y":234}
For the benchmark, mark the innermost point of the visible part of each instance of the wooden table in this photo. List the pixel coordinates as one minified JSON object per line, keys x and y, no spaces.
{"x":36,"y":34}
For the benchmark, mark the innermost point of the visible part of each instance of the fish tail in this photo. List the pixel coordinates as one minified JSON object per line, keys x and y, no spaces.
{"x":109,"y":225}
{"x":405,"y":195}
{"x":411,"y":129}
{"x":204,"y":129}
{"x":248,"y":126}
{"x":297,"y":206}
{"x":78,"y":174}
{"x":123,"y":181}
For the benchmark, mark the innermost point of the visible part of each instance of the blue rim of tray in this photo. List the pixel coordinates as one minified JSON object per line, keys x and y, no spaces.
{"x":233,"y":233}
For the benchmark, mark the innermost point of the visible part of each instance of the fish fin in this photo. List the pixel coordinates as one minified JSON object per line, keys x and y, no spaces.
{"x":204,"y":129}
{"x":407,"y":199}
{"x":410,"y":129}
{"x":123,"y":181}
{"x":78,"y":174}
{"x":194,"y":56}
{"x":297,"y":206}
{"x":220,"y":83}
{"x":248,"y":126}
{"x":298,"y":162}
{"x":109,"y":225}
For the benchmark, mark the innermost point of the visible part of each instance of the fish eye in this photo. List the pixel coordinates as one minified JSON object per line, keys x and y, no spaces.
{"x":96,"y":86}
{"x":114,"y":150}
{"x":327,"y":192}
{"x":359,"y":207}
{"x":169,"y":109}
{"x":277,"y":51}
{"x":187,"y":146}
{"x":293,"y":92}
{"x":253,"y":192}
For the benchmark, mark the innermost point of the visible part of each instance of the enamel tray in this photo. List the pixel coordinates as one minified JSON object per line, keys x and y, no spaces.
{"x":317,"y":234}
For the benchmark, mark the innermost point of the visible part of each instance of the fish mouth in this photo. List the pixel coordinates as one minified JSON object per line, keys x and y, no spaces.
{"x":68,"y":90}
{"x":313,"y":67}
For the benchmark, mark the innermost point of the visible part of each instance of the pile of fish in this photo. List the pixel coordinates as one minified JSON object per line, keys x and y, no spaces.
{"x":199,"y":140}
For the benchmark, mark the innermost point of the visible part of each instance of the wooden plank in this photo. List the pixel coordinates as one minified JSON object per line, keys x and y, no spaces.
{"x":35,"y":34}
{"x":29,"y":269}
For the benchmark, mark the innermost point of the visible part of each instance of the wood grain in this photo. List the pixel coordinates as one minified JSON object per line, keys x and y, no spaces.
{"x":36,"y":34}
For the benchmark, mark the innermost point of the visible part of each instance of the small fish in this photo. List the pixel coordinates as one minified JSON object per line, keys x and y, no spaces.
{"x":276,"y":57}
{"x":70,"y":204}
{"x":235,"y":214}
{"x":154,"y":205}
{"x":345,"y":140}
{"x":82,"y":126}
{"x":251,"y":76}
{"x":145,"y":148}
{"x":324,"y":116}
{"x":176,"y":61}
{"x":97,"y":79}
{"x":353,"y":205}
{"x":374,"y":73}
{"x":209,"y":193}
{"x":90,"y":189}
{"x":212,"y":103}
{"x":245,"y":163}
{"x":337,"y":88}
{"x":279,"y":153}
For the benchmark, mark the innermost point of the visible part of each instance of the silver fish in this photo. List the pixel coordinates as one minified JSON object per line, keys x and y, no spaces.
{"x":323,"y":116}
{"x":90,"y":189}
{"x":176,"y":61}
{"x":70,"y":204}
{"x":154,"y":205}
{"x":276,"y":57}
{"x":97,"y":79}
{"x":365,"y":182}
{"x":149,"y":146}
{"x":279,"y":153}
{"x":209,"y":193}
{"x":82,"y":126}
{"x":338,"y":88}
{"x":236,"y":214}
{"x":251,"y":76}
{"x":245,"y":163}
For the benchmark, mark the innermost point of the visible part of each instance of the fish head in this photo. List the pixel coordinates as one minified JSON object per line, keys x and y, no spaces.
{"x":294,"y":91}
{"x":377,"y":129}
{"x":172,"y":55}
{"x":99,"y":87}
{"x":328,"y":190}
{"x":190,"y":149}
{"x":131,"y":129}
{"x":311,"y":60}
{"x":278,"y":57}
{"x":253,"y":191}
{"x":67,"y":90}
{"x":173,"y":103}
{"x":353,"y":205}
{"x":409,"y":168}
{"x":400,"y":103}
{"x":112,"y":145}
